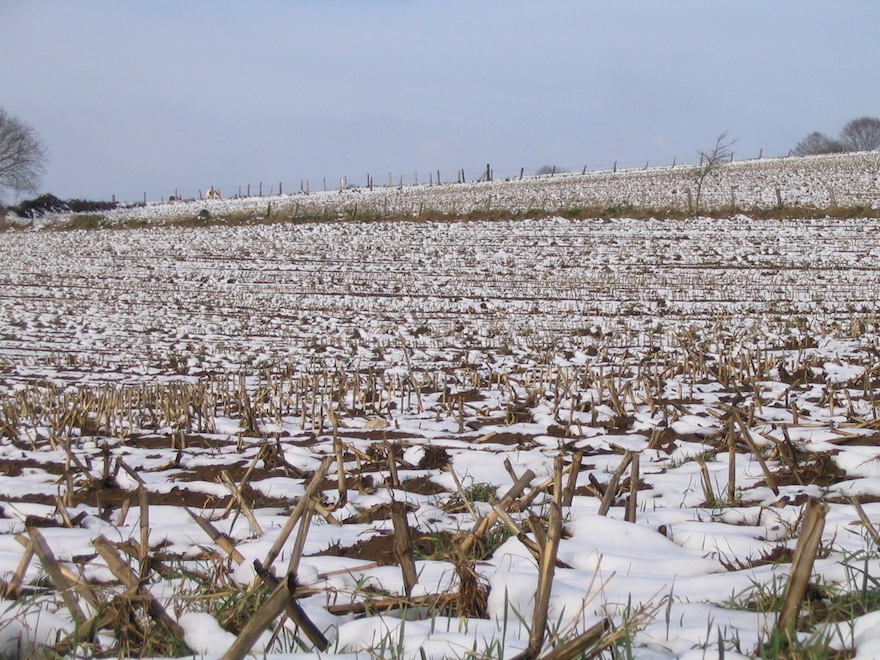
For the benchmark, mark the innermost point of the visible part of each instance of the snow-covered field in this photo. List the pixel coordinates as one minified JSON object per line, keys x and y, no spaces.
{"x":730,"y":366}
{"x":837,"y":180}
{"x":821,"y":181}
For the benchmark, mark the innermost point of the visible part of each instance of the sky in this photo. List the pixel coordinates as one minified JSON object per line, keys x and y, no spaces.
{"x":138,"y":99}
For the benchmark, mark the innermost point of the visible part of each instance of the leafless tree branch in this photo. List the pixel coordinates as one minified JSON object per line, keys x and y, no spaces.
{"x":862,"y":134}
{"x":711,"y":160}
{"x":22,"y":155}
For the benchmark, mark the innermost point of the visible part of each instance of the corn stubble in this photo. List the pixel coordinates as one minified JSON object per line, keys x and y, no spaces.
{"x":341,"y":405}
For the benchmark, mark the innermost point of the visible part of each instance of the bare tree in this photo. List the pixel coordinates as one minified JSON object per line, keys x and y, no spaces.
{"x":862,"y":134}
{"x":22,"y":155}
{"x":818,"y":143}
{"x":710,"y":161}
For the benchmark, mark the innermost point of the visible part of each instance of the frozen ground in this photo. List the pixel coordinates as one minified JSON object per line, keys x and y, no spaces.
{"x":443,"y":350}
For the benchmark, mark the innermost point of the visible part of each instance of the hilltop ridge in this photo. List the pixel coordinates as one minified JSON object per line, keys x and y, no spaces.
{"x":849,"y":181}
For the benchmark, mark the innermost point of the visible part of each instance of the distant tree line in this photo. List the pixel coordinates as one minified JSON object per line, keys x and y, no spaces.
{"x":862,"y":134}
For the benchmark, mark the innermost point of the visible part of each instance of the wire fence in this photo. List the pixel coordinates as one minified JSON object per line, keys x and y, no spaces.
{"x":821,"y":182}
{"x":475,"y":173}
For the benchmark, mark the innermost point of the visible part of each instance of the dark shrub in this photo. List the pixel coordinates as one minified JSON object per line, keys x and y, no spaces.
{"x":89,"y":206}
{"x":37,"y":208}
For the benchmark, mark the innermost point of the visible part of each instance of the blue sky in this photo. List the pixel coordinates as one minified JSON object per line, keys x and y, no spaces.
{"x":135,"y":97}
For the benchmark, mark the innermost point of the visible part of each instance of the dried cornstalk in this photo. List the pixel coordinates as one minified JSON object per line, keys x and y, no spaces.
{"x":324,"y":512}
{"x":632,"y":501}
{"x":869,"y":526}
{"x":435,"y":602}
{"x":537,"y":527}
{"x":508,"y":466}
{"x":260,"y":455}
{"x":483,"y":525}
{"x":64,"y":584}
{"x":296,"y":613}
{"x":341,"y":486}
{"x":731,"y":462}
{"x":802,"y":564}
{"x":62,"y":511}
{"x":546,"y":568}
{"x":301,"y":534}
{"x":403,"y":548}
{"x":613,"y":482}
{"x":771,"y":481}
{"x":12,"y":589}
{"x":391,"y":450}
{"x":258,"y":623}
{"x":595,"y":487}
{"x":222,"y":540}
{"x":144,"y":522}
{"x":708,"y":491}
{"x":242,"y":504}
{"x":120,"y":568}
{"x":792,"y":455}
{"x":313,"y":487}
{"x":577,"y":646}
{"x":521,"y":536}
{"x":557,"y":480}
{"x":123,"y":513}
